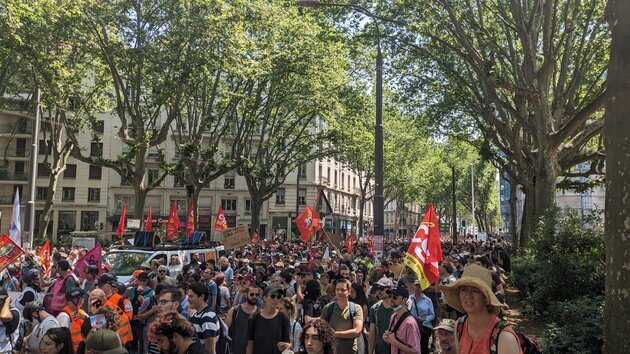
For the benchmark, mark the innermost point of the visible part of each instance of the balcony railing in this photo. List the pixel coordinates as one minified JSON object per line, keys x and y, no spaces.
{"x":20,"y":128}
{"x":6,"y":200}
{"x":20,"y":152}
{"x":7,"y":176}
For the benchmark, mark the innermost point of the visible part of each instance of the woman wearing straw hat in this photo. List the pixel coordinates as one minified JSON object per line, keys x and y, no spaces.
{"x":472,"y":294}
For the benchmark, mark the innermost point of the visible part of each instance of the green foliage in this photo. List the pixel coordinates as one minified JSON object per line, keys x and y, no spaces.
{"x":576,"y":326}
{"x":525,"y":272}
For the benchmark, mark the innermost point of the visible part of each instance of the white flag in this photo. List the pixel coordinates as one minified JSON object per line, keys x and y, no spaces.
{"x":16,"y":228}
{"x":326,"y":253}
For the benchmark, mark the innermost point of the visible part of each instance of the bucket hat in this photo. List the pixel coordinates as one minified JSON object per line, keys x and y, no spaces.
{"x":475,"y":276}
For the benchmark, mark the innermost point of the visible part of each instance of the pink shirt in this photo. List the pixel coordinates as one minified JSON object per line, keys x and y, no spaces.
{"x":480,"y":346}
{"x":408,"y":333}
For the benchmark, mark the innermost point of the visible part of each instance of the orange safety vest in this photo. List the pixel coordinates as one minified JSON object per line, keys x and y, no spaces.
{"x":124,"y":331}
{"x":123,"y":304}
{"x":75,"y":327}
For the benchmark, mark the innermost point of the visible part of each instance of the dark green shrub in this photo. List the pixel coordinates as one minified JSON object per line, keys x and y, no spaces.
{"x":576,"y":326}
{"x":525,"y":272}
{"x":569,"y":250}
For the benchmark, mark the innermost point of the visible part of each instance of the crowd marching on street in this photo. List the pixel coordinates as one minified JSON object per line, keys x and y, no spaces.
{"x":272,"y":297}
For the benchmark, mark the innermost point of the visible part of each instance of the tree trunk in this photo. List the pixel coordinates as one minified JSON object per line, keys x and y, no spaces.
{"x":50,"y":201}
{"x":528,"y":221}
{"x":257,"y":204}
{"x":545,"y":184}
{"x":140,"y":195}
{"x":617,"y":223}
{"x":513,"y":214}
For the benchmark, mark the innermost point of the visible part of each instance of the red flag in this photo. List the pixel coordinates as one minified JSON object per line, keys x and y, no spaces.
{"x":92,"y":257}
{"x":190,"y":220}
{"x":350,"y":242}
{"x":322,"y":235}
{"x":44,"y":256}
{"x":220,"y":224}
{"x":425,"y":250}
{"x":255,"y":237}
{"x":173,"y":222}
{"x":121,"y":224}
{"x":371,"y":245}
{"x":304,"y":223}
{"x":10,"y":252}
{"x":149,"y":224}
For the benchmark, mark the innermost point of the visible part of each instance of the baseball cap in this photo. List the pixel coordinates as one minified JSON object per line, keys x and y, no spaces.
{"x":385,"y":282}
{"x":399,"y":291}
{"x":446,"y":324}
{"x":105,"y":341}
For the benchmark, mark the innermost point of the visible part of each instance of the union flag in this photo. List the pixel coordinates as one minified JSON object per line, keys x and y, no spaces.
{"x":190,"y":220}
{"x":220,"y":224}
{"x":173,"y":222}
{"x":425,"y":250}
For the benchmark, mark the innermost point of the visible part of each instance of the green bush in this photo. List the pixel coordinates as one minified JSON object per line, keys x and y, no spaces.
{"x":576,"y":326}
{"x":525,"y":272}
{"x":567,"y":260}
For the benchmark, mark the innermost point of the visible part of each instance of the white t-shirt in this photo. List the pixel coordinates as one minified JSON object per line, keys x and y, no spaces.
{"x":64,"y":319}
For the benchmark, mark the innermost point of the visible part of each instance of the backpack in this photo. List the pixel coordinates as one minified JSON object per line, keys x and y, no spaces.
{"x":528,"y":344}
{"x":329,"y":311}
{"x":224,"y":340}
{"x":318,"y":306}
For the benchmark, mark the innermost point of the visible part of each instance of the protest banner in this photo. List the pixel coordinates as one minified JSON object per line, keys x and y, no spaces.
{"x":9,"y":252}
{"x":93,"y":257}
{"x":236,"y":237}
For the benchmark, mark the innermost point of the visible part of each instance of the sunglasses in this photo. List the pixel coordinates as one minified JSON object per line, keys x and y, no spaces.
{"x":276,"y":296}
{"x":254,"y":294}
{"x":161,"y":271}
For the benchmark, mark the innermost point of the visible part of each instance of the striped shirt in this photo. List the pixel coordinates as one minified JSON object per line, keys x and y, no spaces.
{"x":206,"y":323}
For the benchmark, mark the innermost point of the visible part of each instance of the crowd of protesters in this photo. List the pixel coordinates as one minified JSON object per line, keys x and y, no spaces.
{"x":274,"y":297}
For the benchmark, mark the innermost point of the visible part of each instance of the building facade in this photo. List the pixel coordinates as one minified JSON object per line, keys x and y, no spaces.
{"x":90,"y":198}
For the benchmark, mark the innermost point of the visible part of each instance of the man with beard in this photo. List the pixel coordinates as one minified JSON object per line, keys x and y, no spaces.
{"x":175,"y":335}
{"x":238,"y":317}
{"x":379,"y":316}
{"x":446,"y":337}
{"x":226,"y":269}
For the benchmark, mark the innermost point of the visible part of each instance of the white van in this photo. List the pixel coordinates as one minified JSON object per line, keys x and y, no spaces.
{"x":124,"y":261}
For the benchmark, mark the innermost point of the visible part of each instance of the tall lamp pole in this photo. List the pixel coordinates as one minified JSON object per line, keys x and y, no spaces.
{"x":379,"y":200}
{"x":472,"y":191}
{"x":32,"y":173}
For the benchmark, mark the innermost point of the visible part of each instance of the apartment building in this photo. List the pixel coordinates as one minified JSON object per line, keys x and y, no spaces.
{"x":402,"y":220}
{"x":90,"y":198}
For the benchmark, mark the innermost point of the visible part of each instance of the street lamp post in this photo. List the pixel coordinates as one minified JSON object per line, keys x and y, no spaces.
{"x":379,"y":200}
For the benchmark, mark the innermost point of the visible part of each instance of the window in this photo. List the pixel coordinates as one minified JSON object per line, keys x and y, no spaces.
{"x":228,"y":204}
{"x":42,"y":193}
{"x":44,"y":149}
{"x":320,"y":176}
{"x":302,"y":172}
{"x":42,"y":170}
{"x":71,"y":171}
{"x":89,"y":221}
{"x":179,"y":181}
{"x":19,"y":170}
{"x":67,"y":194}
{"x":342,"y":180}
{"x":99,"y":126}
{"x":302,"y":196}
{"x":20,"y":147}
{"x":96,"y":149}
{"x":94,"y":195}
{"x":248,"y":206}
{"x":354,"y":202}
{"x":228,"y":182}
{"x":349,"y":187}
{"x":153,"y":175}
{"x":335,"y":179}
{"x":124,"y":182}
{"x":280,"y":196}
{"x":181,"y":205}
{"x":95,"y":172}
{"x":328,"y":174}
{"x":67,"y":221}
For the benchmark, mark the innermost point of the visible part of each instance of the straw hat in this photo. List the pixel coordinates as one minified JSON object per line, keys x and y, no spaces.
{"x":478,"y":277}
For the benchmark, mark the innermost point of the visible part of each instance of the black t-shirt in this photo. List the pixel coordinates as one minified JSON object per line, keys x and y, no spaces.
{"x":12,"y":325}
{"x":196,"y":348}
{"x":266,"y":333}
